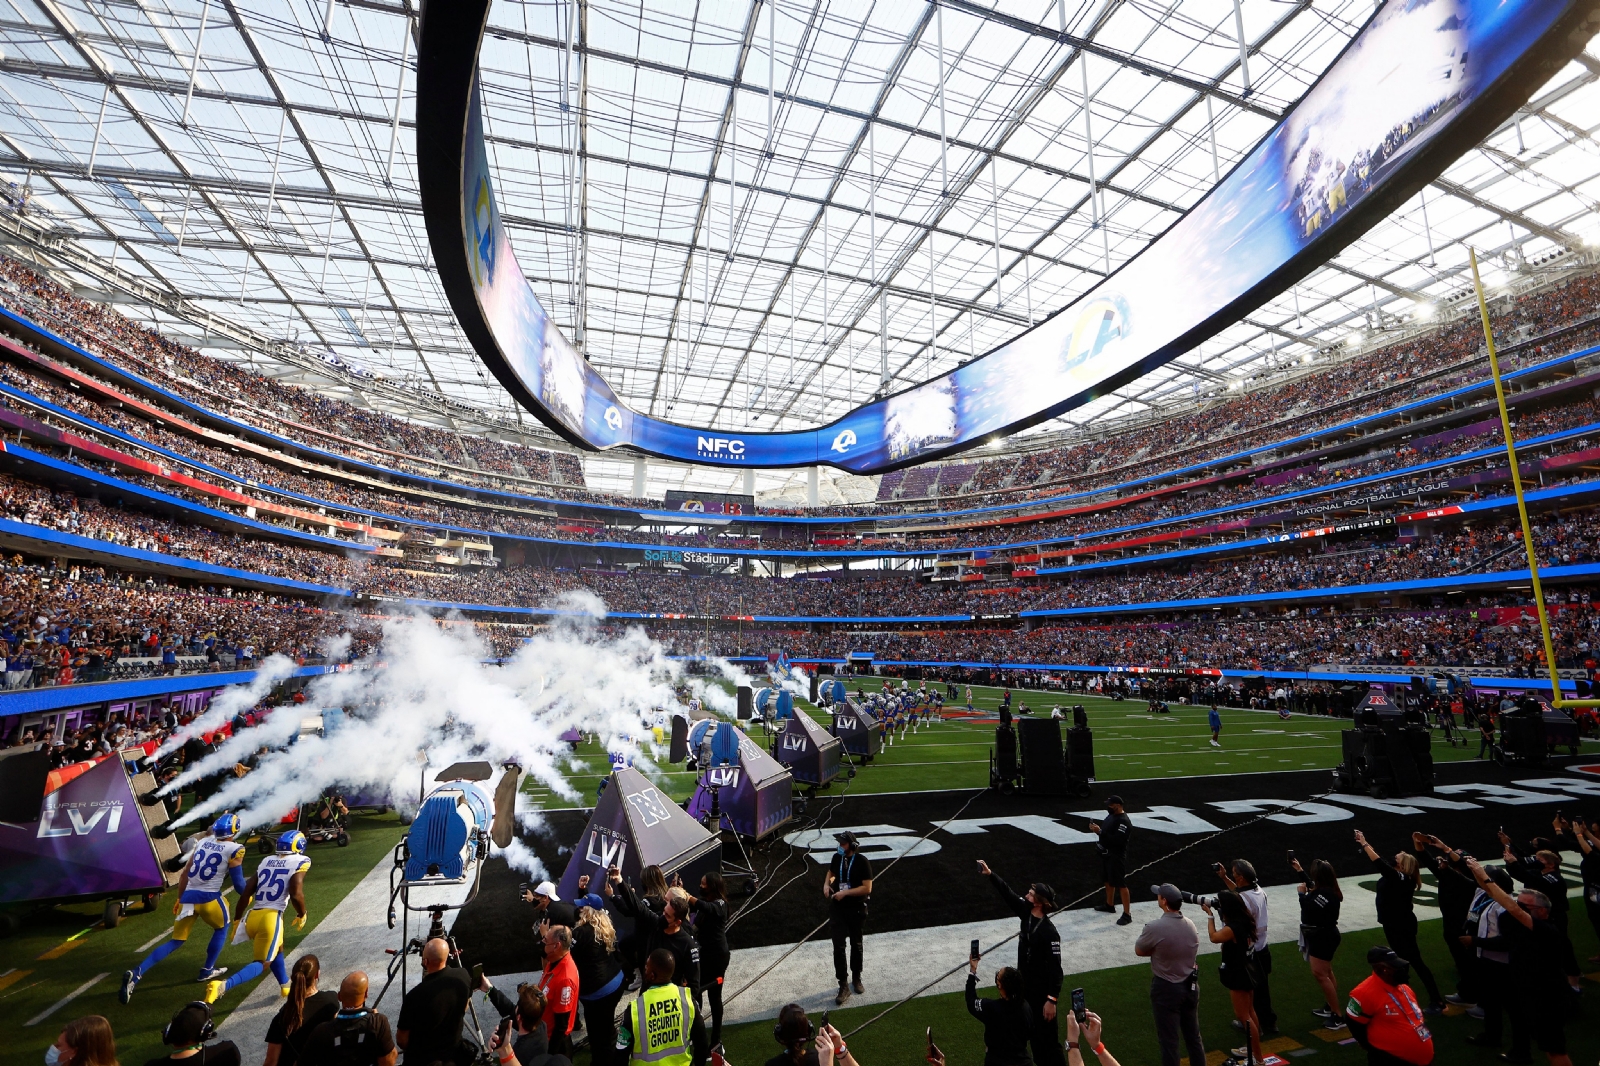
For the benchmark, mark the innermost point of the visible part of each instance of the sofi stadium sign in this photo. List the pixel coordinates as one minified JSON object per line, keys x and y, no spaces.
{"x":673,"y":555}
{"x":1419,"y":85}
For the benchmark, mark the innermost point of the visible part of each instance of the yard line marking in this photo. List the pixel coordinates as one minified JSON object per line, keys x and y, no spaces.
{"x":64,"y":1000}
{"x":152,"y":942}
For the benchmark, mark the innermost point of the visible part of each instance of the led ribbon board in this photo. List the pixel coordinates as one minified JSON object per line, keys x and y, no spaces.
{"x":1421,"y":83}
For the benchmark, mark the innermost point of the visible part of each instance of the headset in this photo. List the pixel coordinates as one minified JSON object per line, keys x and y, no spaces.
{"x":207,"y":1030}
{"x":793,"y":1026}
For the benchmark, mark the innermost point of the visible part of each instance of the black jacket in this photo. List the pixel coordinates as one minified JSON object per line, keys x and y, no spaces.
{"x":652,"y":929}
{"x":1006,"y":1025}
{"x":1038,"y":945}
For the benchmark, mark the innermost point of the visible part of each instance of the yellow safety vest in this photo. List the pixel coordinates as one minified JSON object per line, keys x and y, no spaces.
{"x":661,"y":1016}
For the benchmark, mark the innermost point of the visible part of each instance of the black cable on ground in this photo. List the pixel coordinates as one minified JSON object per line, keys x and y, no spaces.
{"x":1067,"y":906}
{"x":822,"y":925}
{"x":827,"y":816}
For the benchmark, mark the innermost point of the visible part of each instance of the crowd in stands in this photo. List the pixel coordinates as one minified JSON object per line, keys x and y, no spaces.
{"x":1302,"y":640}
{"x":23,"y":501}
{"x":86,"y":623}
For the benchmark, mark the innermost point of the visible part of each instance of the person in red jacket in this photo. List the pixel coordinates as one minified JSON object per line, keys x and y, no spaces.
{"x":1384,"y":1015}
{"x":560,"y":987}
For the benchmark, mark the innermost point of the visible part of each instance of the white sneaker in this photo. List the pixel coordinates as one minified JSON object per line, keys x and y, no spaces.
{"x":1214,"y":744}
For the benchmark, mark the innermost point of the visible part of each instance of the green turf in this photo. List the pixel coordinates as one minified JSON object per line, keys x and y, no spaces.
{"x":1121,"y":997}
{"x":33,"y":983}
{"x":1128,"y":744}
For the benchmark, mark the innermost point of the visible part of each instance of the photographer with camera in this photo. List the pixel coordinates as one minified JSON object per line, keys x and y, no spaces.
{"x":1243,"y":880}
{"x":1236,"y":973}
{"x":1384,"y":1016}
{"x":1398,"y":881}
{"x":1172,"y":944}
{"x":1007,"y":1022}
{"x":1038,"y":961}
{"x":1320,"y":899}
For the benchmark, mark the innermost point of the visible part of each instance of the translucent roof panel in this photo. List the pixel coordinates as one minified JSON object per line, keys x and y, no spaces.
{"x":748,"y":215}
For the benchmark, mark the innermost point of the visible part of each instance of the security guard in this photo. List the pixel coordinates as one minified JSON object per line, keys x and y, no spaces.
{"x":217,"y":858}
{"x":278,"y":881}
{"x":658,"y":1026}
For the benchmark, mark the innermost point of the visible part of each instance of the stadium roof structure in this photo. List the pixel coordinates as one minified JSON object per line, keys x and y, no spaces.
{"x":740,"y":211}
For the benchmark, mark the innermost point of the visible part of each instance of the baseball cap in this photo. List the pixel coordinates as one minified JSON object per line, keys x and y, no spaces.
{"x":1045,"y":893}
{"x":1113,"y":801}
{"x":846,"y":837}
{"x":1384,"y":953}
{"x":1168,"y":892}
{"x":547,"y":890}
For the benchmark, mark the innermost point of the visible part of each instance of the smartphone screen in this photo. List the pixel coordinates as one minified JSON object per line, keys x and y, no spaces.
{"x":477,"y":975}
{"x":975,"y":952}
{"x":1079,"y":1006}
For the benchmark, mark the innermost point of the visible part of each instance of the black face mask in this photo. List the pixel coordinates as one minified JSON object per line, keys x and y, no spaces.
{"x":1402,"y":974}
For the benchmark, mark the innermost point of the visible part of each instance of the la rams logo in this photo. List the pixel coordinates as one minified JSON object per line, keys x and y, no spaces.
{"x":482,"y":242}
{"x":844,"y":441}
{"x":1102,"y":320}
{"x":613,"y":418}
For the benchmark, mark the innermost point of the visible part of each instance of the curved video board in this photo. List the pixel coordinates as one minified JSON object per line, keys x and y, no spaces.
{"x":1421,"y":83}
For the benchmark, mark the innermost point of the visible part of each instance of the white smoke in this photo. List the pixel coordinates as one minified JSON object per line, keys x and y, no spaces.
{"x":426,"y":698}
{"x":274,"y":668}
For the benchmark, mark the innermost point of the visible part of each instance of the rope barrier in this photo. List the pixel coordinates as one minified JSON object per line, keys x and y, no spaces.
{"x":823,"y":924}
{"x":1081,"y":899}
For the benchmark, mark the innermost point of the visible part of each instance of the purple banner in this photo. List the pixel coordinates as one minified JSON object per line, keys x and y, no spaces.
{"x":87,"y":841}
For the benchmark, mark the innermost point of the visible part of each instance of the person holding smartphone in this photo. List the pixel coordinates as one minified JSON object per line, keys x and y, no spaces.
{"x":1007,"y":1021}
{"x":1038,"y":961}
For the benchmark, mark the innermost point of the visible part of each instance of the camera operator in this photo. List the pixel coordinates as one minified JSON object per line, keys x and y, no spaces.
{"x":1243,"y":880}
{"x":1172,"y":943}
{"x":1540,"y":954}
{"x":1038,"y":961}
{"x":1384,"y":1016}
{"x":1007,"y":1021}
{"x":522,"y":1042}
{"x":1320,"y":900}
{"x":847,"y":888}
{"x":1398,"y":881}
{"x":1113,"y":845}
{"x":432,"y":1013}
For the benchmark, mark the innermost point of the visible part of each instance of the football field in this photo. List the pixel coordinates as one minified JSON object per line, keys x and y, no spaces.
{"x":1128,"y":743}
